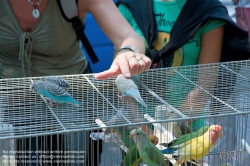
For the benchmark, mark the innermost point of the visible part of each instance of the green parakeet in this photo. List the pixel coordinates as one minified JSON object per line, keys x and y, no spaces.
{"x":149,"y":153}
{"x":132,"y":157}
{"x":122,"y":133}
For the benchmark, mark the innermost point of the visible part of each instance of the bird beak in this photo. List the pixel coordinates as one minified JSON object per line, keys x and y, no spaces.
{"x":131,"y":136}
{"x":156,"y":142}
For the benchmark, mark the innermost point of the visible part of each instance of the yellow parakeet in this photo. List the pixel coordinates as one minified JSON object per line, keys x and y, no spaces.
{"x":197,"y":147}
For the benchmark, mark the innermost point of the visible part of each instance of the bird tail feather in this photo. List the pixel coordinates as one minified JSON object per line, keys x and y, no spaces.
{"x":136,"y":94}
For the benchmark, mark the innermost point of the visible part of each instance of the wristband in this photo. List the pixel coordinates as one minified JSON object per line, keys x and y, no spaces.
{"x":130,"y":48}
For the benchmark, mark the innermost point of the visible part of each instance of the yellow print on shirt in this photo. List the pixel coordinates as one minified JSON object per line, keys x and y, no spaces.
{"x":162,"y":39}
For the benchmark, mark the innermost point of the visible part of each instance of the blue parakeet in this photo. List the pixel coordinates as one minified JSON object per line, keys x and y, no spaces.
{"x":58,"y":81}
{"x":128,"y":88}
{"x":52,"y":91}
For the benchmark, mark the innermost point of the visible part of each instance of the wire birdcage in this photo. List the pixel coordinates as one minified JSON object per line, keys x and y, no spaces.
{"x":180,"y":100}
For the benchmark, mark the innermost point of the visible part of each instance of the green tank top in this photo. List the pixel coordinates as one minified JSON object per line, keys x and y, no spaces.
{"x":51,"y":48}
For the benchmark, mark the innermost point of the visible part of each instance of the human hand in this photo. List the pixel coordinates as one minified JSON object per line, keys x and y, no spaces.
{"x":127,"y":63}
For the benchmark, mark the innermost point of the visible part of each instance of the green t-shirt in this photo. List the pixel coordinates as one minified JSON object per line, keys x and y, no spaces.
{"x":166,"y":14}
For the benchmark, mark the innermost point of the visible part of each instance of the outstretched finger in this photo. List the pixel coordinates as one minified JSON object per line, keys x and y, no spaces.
{"x":112,"y":72}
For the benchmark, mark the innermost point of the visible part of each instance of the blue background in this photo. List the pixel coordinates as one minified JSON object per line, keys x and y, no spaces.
{"x":102,"y":46}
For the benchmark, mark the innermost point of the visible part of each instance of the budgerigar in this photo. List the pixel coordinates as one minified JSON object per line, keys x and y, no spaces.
{"x":132,"y":157}
{"x":123,"y":133}
{"x":183,"y":139}
{"x":52,"y":91}
{"x":149,"y":153}
{"x":197,"y":147}
{"x":58,"y":81}
{"x":128,"y":88}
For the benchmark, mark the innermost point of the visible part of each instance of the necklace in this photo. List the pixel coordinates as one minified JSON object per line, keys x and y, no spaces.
{"x":35,"y":11}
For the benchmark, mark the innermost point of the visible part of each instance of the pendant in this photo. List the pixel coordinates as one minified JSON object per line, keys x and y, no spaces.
{"x":35,"y":13}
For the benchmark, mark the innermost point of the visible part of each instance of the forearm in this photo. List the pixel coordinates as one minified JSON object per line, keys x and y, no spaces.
{"x":206,"y":76}
{"x":196,"y":99}
{"x":114,"y":25}
{"x":121,"y":34}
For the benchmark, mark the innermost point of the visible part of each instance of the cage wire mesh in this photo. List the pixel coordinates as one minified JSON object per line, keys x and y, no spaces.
{"x":180,"y":100}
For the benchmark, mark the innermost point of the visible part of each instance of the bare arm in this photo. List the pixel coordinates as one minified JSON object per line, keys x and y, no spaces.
{"x":211,"y":46}
{"x":121,"y":34}
{"x":211,"y":49}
